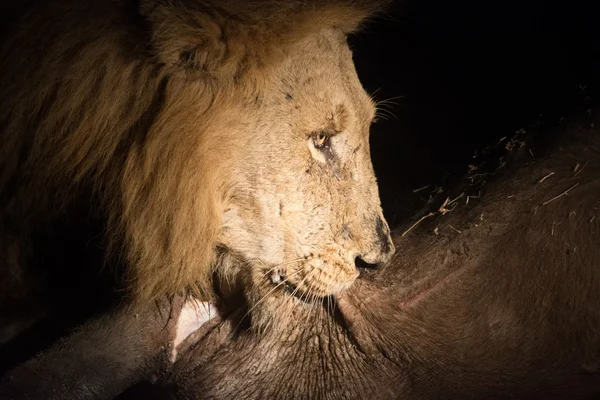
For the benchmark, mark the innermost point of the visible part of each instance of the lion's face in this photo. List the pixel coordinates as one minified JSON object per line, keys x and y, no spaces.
{"x":302,"y":200}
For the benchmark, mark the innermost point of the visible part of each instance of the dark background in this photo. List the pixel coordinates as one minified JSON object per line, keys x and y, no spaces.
{"x":468,"y":73}
{"x":457,"y":75}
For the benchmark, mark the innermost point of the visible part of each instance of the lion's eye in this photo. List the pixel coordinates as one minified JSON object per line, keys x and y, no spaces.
{"x":321,"y":140}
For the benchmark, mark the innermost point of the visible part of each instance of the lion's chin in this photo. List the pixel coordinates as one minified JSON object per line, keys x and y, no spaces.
{"x":309,"y":284}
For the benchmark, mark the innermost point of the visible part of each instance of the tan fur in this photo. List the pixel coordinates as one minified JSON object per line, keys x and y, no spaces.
{"x":192,"y":124}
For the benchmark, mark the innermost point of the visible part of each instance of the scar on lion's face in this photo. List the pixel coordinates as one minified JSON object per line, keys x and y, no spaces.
{"x":305,"y":201}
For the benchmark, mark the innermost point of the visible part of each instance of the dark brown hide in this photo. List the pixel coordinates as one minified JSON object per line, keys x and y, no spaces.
{"x":100,"y":359}
{"x":516,"y":315}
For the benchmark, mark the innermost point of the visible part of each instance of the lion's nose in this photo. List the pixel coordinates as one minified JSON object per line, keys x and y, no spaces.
{"x":385,"y":240}
{"x":384,"y":255}
{"x":382,"y":249}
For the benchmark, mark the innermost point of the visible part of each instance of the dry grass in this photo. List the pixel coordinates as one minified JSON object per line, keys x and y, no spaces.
{"x":431,"y":214}
{"x":545,"y":177}
{"x":565,"y":193}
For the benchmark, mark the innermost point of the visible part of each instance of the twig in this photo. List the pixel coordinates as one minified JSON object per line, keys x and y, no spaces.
{"x":443,"y":210}
{"x":455,"y":199}
{"x":471,"y":177}
{"x":418,"y":222}
{"x":433,"y":195}
{"x":444,"y":203}
{"x":459,"y":232}
{"x":469,"y":197}
{"x":580,"y":169}
{"x":566,"y":192}
{"x":421,"y":188}
{"x":553,"y":225}
{"x":592,"y":219}
{"x":545,"y":177}
{"x":502,"y":165}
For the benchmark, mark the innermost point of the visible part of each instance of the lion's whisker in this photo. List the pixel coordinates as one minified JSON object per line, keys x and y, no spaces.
{"x":301,"y":282}
{"x":312,"y":296}
{"x":384,"y":114}
{"x":389,"y":101}
{"x":293,"y":294}
{"x":283,"y":282}
{"x":322,"y":314}
{"x":328,"y":314}
{"x":329,"y":302}
{"x":284,"y":263}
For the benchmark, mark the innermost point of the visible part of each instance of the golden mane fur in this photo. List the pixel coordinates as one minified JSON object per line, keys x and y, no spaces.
{"x":96,"y":95}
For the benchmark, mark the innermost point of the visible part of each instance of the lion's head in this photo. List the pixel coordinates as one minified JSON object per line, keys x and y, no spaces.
{"x":220,"y":136}
{"x":302,"y":201}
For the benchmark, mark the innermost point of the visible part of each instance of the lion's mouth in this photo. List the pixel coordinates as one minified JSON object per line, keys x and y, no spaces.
{"x":279,"y":278}
{"x":291,"y":289}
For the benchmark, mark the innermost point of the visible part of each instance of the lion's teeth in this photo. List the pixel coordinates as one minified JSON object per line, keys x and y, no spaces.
{"x":276,"y":277}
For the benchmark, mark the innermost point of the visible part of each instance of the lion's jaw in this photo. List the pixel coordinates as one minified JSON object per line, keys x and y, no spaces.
{"x":302,"y":199}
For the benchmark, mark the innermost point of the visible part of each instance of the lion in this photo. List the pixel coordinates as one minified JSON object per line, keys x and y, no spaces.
{"x":216,"y":138}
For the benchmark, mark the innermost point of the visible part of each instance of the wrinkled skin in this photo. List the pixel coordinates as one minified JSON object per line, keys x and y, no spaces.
{"x":509,"y":308}
{"x":114,"y":351}
{"x":109,"y":353}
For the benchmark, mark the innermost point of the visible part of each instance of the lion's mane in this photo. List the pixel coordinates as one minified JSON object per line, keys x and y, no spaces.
{"x":119,"y":98}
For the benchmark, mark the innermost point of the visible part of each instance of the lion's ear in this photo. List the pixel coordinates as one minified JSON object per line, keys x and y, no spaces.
{"x":221,"y":36}
{"x":185,"y":37}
